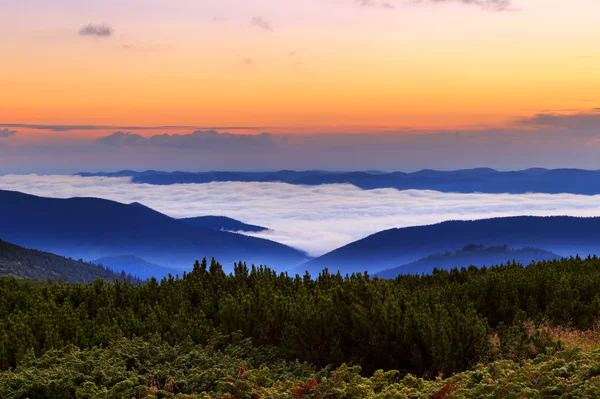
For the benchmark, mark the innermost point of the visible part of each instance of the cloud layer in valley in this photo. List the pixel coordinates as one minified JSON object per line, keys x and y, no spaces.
{"x":315,"y":219}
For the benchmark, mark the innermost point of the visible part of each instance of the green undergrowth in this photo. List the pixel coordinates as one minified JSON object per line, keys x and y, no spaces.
{"x":138,"y":368}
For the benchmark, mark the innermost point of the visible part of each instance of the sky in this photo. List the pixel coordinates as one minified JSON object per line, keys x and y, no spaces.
{"x":328,"y":81}
{"x":315,"y":219}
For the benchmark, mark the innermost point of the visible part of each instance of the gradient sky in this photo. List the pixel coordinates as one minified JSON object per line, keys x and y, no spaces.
{"x":297,"y":66}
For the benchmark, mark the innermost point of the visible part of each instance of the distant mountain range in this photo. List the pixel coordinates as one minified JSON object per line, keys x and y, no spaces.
{"x":91,"y":228}
{"x":223,"y":223}
{"x":20,"y":262}
{"x":562,"y":235}
{"x":147,"y":243}
{"x":471,"y":255}
{"x":482,"y":180}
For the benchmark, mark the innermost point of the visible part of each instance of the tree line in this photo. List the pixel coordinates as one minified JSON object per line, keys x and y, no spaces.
{"x":414,"y":324}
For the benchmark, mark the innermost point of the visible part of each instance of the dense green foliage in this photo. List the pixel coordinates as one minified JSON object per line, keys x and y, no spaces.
{"x":153,"y":369}
{"x":421,"y":325}
{"x":29,"y":263}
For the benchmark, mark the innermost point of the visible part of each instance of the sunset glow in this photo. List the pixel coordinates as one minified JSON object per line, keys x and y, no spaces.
{"x":333,"y":65}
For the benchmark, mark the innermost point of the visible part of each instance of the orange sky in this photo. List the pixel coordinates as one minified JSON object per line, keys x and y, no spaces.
{"x":323,"y":65}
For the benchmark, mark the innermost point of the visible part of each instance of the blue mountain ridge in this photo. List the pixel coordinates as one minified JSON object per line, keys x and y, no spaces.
{"x":91,"y":228}
{"x":482,"y":180}
{"x":471,"y":255}
{"x":565,"y":236}
{"x":135,"y":266}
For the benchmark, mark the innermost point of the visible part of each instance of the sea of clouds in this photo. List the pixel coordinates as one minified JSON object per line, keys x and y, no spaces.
{"x":316,"y":219}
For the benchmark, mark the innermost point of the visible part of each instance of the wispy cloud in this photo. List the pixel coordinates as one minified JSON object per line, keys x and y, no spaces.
{"x":489,"y":5}
{"x":94,"y":30}
{"x":316,"y":219}
{"x":4,"y":133}
{"x":576,"y":123}
{"x":199,"y":139}
{"x":118,"y":139}
{"x":539,"y":141}
{"x":66,"y":128}
{"x":262,"y":23}
{"x":375,"y":3}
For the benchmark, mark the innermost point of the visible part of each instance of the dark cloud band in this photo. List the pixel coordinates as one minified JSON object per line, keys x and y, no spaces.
{"x":4,"y":133}
{"x":67,"y":128}
{"x":96,"y":30}
{"x":262,"y":23}
{"x":490,"y":5}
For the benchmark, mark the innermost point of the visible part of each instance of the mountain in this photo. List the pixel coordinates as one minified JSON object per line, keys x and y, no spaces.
{"x":136,"y":266}
{"x":20,"y":262}
{"x":92,"y":228}
{"x":471,"y":255}
{"x":222,"y":223}
{"x":562,"y":235}
{"x":483,"y":180}
{"x":125,"y":173}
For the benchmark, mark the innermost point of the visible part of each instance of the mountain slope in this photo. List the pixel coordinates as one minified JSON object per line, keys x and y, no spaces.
{"x":222,"y":223}
{"x":92,"y":228}
{"x":483,"y":180}
{"x":136,"y":266}
{"x":20,"y":262}
{"x":471,"y":255}
{"x":387,"y":249}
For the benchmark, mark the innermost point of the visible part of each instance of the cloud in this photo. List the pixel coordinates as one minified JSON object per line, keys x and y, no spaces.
{"x":489,"y":5}
{"x":4,"y":133}
{"x":204,"y":139}
{"x":118,"y":139}
{"x":67,"y":128}
{"x":261,"y":23}
{"x":579,"y":122}
{"x":374,"y":3}
{"x":96,"y":30}
{"x":538,"y":141}
{"x":316,"y":219}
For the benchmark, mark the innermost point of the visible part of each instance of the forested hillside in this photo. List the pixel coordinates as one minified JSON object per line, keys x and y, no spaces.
{"x":28,"y":263}
{"x":243,"y":335}
{"x":471,"y":255}
{"x":414,"y":324}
